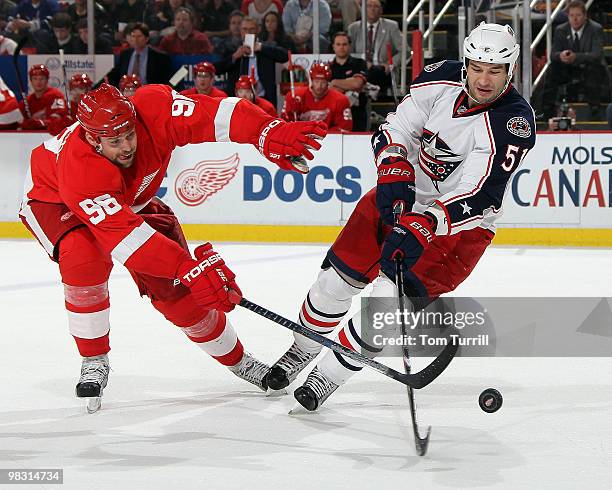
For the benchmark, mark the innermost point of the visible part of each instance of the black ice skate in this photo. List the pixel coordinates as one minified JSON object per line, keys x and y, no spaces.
{"x":93,"y":380}
{"x":286,"y":369}
{"x":251,"y":370}
{"x":316,"y":389}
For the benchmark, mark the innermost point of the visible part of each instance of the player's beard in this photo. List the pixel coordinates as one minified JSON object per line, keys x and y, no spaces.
{"x":125,"y":163}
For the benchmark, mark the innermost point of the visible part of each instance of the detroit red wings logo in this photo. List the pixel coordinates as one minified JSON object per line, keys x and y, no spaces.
{"x":194,"y":185}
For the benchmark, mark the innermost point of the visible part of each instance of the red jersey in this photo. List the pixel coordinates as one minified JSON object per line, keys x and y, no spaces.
{"x":266,"y":106}
{"x":50,"y":104}
{"x":106,"y":197}
{"x":334,"y":108}
{"x":214,"y":92}
{"x":10,"y":114}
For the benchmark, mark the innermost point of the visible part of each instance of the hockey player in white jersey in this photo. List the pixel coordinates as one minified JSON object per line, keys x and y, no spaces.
{"x":447,"y":154}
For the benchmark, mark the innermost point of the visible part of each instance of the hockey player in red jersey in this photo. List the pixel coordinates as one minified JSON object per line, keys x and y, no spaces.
{"x":245,"y":89}
{"x":445,"y":156}
{"x":10,"y":115}
{"x":128,"y":84}
{"x":90,"y":198}
{"x":79,"y":85}
{"x":319,"y":102}
{"x":204,"y":77}
{"x":45,"y":103}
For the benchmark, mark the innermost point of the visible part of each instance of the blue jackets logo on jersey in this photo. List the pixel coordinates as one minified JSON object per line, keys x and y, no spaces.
{"x":519,"y":126}
{"x":436,"y":158}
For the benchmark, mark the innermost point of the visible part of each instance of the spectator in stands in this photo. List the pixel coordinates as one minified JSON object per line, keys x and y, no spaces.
{"x":61,"y":38}
{"x":160,"y":18}
{"x":78,"y":11}
{"x":350,"y":10}
{"x":245,"y":89}
{"x":319,"y":102}
{"x":32,"y":15}
{"x":274,"y":32}
{"x":7,"y":9}
{"x":233,"y":41}
{"x":257,"y":9}
{"x":297,"y":20}
{"x":609,"y":115}
{"x":102,"y":45}
{"x":576,"y":58}
{"x":204,"y":78}
{"x":141,"y":59}
{"x":379,"y":33}
{"x":214,"y":19}
{"x":7,"y":46}
{"x":262,"y":61}
{"x":349,"y":76}
{"x":185,"y":39}
{"x":128,"y":11}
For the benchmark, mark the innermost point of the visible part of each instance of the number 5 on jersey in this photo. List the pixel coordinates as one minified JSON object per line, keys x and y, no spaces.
{"x":100,"y":207}
{"x":514,"y":157}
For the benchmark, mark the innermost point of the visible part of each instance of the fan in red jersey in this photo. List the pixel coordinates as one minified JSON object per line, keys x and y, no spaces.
{"x":128,"y":84}
{"x":204,"y":78}
{"x":90,"y":198}
{"x":45,"y":104}
{"x":10,"y":115}
{"x":319,"y":102}
{"x":245,"y":89}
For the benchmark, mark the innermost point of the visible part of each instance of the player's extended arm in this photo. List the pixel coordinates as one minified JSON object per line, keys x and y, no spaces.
{"x":199,"y":118}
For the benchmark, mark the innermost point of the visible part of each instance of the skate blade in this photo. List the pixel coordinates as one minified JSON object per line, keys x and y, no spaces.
{"x":299,"y":410}
{"x":93,"y":404}
{"x":270,"y":393}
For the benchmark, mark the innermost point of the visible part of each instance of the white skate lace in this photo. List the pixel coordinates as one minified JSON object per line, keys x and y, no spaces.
{"x":294,"y":360}
{"x":250,"y":369}
{"x":320,"y":384}
{"x":95,"y":370}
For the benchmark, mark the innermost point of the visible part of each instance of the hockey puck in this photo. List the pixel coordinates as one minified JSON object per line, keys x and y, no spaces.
{"x":490,"y":400}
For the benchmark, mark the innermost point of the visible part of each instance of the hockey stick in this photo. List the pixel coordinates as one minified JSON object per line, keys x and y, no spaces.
{"x":393,"y":82}
{"x":62,"y":62}
{"x":16,"y":54}
{"x":414,"y":380}
{"x":421,"y":443}
{"x":291,"y":81}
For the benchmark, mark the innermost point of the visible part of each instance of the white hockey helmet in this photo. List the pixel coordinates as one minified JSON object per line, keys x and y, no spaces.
{"x":491,"y":43}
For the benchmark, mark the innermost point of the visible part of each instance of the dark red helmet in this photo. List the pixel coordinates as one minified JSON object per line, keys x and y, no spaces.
{"x":38,"y":70}
{"x":129,"y":81}
{"x":80,"y":80}
{"x":105,"y":112}
{"x":204,"y":67}
{"x":320,"y":71}
{"x":245,"y":81}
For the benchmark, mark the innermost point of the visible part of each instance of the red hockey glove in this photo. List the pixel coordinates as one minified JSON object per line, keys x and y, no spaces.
{"x":211,"y":282}
{"x":280,"y":140}
{"x":395,"y":185}
{"x":409,"y":238}
{"x":32,"y":124}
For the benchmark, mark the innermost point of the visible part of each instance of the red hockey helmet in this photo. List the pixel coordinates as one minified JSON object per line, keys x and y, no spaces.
{"x":245,"y":81}
{"x":129,"y":81}
{"x":105,"y":112}
{"x":37,"y":70}
{"x":320,"y":71}
{"x":80,"y":80}
{"x":204,"y":67}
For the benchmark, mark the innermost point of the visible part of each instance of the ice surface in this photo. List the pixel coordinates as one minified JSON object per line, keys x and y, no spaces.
{"x":174,"y":418}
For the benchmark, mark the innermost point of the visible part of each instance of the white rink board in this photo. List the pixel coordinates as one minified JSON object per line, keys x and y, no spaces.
{"x":564,"y":182}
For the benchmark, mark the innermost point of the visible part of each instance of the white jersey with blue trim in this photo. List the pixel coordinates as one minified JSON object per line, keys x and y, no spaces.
{"x":463,"y":157}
